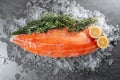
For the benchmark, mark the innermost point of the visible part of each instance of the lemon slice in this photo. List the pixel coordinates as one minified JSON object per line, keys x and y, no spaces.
{"x":95,"y":32}
{"x":102,"y":42}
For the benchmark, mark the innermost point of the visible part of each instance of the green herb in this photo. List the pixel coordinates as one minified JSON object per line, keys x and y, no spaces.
{"x":53,"y":21}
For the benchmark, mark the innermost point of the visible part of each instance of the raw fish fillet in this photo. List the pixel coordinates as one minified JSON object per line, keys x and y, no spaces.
{"x":57,"y":43}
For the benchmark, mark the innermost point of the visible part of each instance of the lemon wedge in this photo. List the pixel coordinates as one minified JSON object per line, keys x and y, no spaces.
{"x":102,"y":42}
{"x":95,"y":32}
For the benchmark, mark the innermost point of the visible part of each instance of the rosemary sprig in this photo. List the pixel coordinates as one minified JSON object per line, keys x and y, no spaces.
{"x":53,"y":21}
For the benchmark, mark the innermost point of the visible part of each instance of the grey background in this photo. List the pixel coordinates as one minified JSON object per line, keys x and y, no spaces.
{"x":111,"y":9}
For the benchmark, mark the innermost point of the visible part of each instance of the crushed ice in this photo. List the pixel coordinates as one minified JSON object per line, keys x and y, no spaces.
{"x":35,"y":9}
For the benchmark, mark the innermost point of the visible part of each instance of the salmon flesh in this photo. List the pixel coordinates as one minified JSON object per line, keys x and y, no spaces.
{"x":57,"y":43}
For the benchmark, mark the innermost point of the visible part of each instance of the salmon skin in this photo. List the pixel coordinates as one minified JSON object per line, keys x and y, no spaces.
{"x":57,"y":43}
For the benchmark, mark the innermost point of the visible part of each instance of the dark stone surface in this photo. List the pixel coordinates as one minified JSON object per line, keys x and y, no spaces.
{"x":110,"y":8}
{"x":13,"y":7}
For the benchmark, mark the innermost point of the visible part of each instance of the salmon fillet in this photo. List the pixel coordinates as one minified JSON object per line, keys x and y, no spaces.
{"x":57,"y":43}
